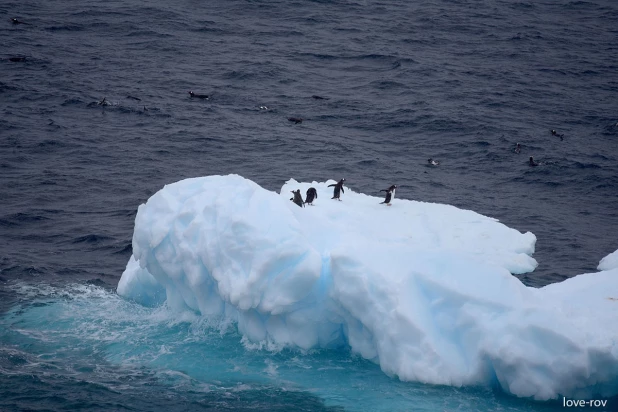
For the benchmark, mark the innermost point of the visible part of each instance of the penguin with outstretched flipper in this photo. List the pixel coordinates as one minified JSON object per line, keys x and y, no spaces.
{"x":338,"y":189}
{"x":390,"y":195}
{"x":298,"y":199}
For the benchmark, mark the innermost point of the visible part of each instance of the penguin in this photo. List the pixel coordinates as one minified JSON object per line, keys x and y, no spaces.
{"x":531,"y":162}
{"x":17,"y":59}
{"x":296,"y":120}
{"x":338,"y":189}
{"x":432,"y":162}
{"x":555,"y":133}
{"x":517,"y":148}
{"x":390,"y":195}
{"x":199,"y":96}
{"x":312,"y":194}
{"x":15,"y":21}
{"x":298,"y":199}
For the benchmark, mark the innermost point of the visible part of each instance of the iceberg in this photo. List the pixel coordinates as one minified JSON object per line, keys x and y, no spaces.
{"x":424,"y":290}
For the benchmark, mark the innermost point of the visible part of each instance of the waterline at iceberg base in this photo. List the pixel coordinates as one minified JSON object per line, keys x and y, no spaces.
{"x":424,"y":290}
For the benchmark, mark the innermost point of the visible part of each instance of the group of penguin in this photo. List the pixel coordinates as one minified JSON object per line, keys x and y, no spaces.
{"x":312,"y":194}
{"x":531,"y":161}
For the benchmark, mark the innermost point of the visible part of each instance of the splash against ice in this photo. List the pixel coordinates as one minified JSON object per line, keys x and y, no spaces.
{"x":425,"y":290}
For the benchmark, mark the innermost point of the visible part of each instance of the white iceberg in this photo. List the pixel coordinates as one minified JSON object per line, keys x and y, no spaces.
{"x":424,"y":290}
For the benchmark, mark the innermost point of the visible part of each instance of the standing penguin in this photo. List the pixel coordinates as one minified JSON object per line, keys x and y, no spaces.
{"x":311,"y":195}
{"x":390,"y":195}
{"x":338,"y":189}
{"x":298,"y":199}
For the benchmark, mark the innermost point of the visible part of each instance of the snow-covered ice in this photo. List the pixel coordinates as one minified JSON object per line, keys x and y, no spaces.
{"x":424,"y":290}
{"x":609,"y":262}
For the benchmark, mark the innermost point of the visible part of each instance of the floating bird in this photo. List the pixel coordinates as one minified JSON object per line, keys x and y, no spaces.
{"x":199,"y":96}
{"x":296,"y":120}
{"x":432,"y":162}
{"x":555,"y":133}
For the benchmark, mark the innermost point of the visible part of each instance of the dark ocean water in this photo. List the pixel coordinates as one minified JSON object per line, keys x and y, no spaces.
{"x":403,"y":81}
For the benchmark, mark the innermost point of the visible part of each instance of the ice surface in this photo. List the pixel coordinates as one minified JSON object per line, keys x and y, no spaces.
{"x":609,"y":262}
{"x":424,"y":290}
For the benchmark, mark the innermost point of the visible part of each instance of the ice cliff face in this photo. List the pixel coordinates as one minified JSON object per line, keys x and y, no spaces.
{"x":425,"y":290}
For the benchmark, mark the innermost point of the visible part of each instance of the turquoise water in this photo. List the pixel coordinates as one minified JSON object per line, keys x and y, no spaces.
{"x":84,"y":335}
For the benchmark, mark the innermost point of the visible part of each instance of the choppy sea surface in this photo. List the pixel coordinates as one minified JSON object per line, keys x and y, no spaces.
{"x":400,"y":82}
